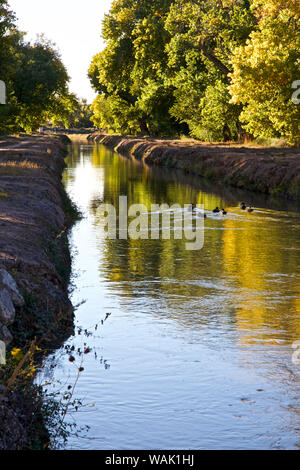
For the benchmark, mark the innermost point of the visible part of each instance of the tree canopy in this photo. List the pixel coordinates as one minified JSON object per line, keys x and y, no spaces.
{"x":215,"y":69}
{"x":265,"y":68}
{"x":129,"y":72}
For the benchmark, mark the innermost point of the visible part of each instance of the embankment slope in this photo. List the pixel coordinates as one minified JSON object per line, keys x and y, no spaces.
{"x":35,"y":214}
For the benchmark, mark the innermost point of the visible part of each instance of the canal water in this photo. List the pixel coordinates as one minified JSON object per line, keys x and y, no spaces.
{"x":197,"y":350}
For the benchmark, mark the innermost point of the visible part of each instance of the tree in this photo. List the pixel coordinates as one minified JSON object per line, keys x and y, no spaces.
{"x":40,"y":83}
{"x":73,"y":113}
{"x":7,"y":20}
{"x":265,"y":68}
{"x":35,"y":77}
{"x":221,"y":67}
{"x":9,"y":38}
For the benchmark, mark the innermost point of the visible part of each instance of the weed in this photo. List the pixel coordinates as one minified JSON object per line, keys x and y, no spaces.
{"x":21,"y":164}
{"x":57,"y":249}
{"x":70,"y":209}
{"x":45,"y":412}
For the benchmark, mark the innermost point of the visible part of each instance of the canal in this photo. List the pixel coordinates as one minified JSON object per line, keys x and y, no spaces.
{"x":196,"y":352}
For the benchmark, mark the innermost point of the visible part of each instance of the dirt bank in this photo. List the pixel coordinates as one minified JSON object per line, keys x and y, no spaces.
{"x":35,"y":214}
{"x":271,"y":170}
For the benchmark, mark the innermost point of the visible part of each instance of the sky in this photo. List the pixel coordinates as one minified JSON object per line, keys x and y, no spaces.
{"x":74,"y":26}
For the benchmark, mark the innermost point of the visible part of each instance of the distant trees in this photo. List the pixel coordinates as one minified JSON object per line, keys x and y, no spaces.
{"x":75,"y":113}
{"x":81,"y":117}
{"x":35,"y":77}
{"x":213,"y":68}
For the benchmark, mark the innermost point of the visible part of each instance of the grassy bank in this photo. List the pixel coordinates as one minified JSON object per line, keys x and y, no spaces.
{"x":35,"y":263}
{"x":269,"y":170}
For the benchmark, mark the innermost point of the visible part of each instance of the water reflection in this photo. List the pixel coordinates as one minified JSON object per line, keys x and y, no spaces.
{"x":249,"y":268}
{"x":233,"y":306}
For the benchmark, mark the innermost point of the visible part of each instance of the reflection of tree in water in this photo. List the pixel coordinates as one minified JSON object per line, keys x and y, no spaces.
{"x":247,"y":271}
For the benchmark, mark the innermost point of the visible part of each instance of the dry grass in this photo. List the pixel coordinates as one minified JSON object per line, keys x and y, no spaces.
{"x":271,"y":142}
{"x":18,"y":168}
{"x":22,"y":164}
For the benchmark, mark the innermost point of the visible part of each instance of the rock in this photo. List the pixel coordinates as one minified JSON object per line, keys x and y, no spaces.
{"x":5,"y":335}
{"x":9,"y":282}
{"x":7,"y":309}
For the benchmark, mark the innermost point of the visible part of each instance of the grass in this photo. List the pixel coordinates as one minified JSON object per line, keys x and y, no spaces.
{"x":43,"y":412}
{"x":17,"y":378}
{"x":14,"y":168}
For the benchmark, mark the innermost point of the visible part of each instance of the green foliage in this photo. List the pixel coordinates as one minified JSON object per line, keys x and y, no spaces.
{"x":35,"y":78}
{"x":129,"y":73}
{"x":217,"y":120}
{"x":222,"y":68}
{"x":264,"y":70}
{"x":7,"y":36}
{"x":203,"y":36}
{"x":115,"y":114}
{"x":81,"y":116}
{"x":70,"y":112}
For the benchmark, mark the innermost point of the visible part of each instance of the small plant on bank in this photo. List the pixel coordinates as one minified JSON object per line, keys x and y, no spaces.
{"x":48,"y":410}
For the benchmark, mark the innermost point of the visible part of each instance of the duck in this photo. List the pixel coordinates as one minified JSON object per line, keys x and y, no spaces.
{"x":243,"y":206}
{"x":216,"y":210}
{"x":224,"y":212}
{"x":250,"y":209}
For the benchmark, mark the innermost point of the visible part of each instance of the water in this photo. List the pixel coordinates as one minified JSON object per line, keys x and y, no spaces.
{"x":196,"y":353}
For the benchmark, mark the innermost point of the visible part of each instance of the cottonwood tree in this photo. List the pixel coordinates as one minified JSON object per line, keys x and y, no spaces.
{"x":204,"y":34}
{"x":35,"y":77}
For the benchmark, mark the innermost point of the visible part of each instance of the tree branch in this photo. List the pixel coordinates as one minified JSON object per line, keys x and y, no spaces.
{"x":212,"y":58}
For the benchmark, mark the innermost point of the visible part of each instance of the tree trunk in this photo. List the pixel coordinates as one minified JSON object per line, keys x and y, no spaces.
{"x":243,"y":136}
{"x":143,"y":126}
{"x":210,"y":56}
{"x":227,"y":136}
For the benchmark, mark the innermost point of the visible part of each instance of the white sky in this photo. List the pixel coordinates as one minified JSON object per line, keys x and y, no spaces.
{"x":75,"y":27}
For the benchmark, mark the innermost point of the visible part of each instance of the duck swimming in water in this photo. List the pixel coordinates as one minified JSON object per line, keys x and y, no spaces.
{"x":224,"y":212}
{"x":216,"y":210}
{"x":250,"y":209}
{"x":243,"y":206}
